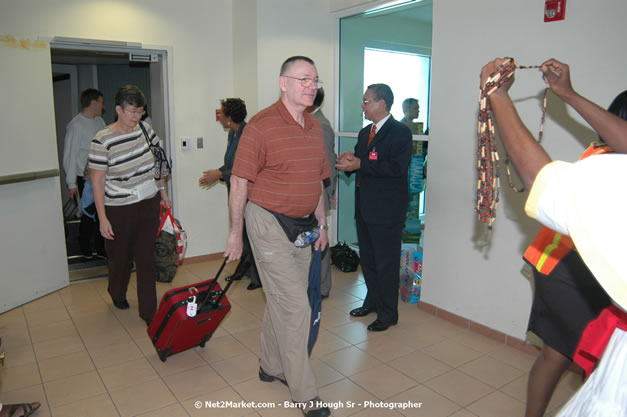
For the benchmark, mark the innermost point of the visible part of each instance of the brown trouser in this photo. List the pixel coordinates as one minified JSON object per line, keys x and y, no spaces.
{"x":135,"y":231}
{"x":284,"y":272}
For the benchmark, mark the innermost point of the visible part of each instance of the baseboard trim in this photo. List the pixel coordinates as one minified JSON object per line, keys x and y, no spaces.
{"x":203,"y":258}
{"x":479,"y":328}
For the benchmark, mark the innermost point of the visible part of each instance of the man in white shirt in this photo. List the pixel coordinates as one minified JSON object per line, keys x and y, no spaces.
{"x":79,"y":133}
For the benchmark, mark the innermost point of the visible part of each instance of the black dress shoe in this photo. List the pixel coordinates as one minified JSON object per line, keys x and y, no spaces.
{"x":122,"y":305}
{"x":379,"y":326}
{"x":253,"y":286}
{"x":361,"y":311}
{"x":269,"y":378}
{"x":313,"y":408}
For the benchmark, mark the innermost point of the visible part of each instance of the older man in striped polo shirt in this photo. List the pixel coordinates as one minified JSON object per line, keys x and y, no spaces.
{"x":280,"y":167}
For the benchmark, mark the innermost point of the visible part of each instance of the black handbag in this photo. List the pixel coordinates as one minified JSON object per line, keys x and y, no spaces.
{"x":344,"y":258}
{"x":163,"y":167}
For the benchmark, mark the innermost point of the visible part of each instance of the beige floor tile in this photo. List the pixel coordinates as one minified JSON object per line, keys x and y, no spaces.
{"x":240,"y":321}
{"x":51,"y":331}
{"x":194,"y":382}
{"x":332,"y":317}
{"x":359,"y":291}
{"x":44,"y":304}
{"x":251,"y":339}
{"x":459,"y":387}
{"x":238,"y":368}
{"x":491,"y":371}
{"x":18,"y":355}
{"x":341,"y":298}
{"x":355,"y":332}
{"x":28,"y":395}
{"x":513,"y":357}
{"x":452,"y":353}
{"x":328,"y":342}
{"x":133,"y":372}
{"x":138,"y":399}
{"x":350,"y":361}
{"x":379,"y":347}
{"x":216,"y":404}
{"x":419,"y":366}
{"x":15,"y":337}
{"x":423,"y":402}
{"x":177,"y":363}
{"x":517,"y":388}
{"x":478,"y":342}
{"x":18,"y":377}
{"x":97,"y":406}
{"x":349,"y":397}
{"x":324,"y":374}
{"x":383,"y":381}
{"x":58,"y":347}
{"x":377,"y":412}
{"x":41,"y":317}
{"x":497,"y":404}
{"x":174,"y":410}
{"x":418,"y":339}
{"x":65,"y":365}
{"x":221,"y":348}
{"x":12,"y":319}
{"x":115,"y":354}
{"x":74,"y":388}
{"x":463,"y":413}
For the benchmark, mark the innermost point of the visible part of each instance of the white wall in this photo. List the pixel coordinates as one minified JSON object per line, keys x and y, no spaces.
{"x":481,"y":279}
{"x":198,"y":36}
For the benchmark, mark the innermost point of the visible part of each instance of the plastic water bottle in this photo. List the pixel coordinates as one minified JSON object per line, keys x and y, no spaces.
{"x":307,"y":238}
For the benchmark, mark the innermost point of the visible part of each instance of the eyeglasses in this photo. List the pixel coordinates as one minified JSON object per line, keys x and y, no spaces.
{"x":138,"y":112}
{"x":307,"y":82}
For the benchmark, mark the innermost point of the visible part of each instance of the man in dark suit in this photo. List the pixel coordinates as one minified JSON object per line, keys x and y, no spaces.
{"x":381,"y":160}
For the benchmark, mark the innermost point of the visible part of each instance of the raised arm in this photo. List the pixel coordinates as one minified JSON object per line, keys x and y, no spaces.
{"x":610,"y":127}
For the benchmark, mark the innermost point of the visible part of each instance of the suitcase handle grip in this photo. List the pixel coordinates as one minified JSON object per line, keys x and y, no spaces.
{"x":212,"y":285}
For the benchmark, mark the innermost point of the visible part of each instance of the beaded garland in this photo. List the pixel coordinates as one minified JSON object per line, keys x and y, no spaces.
{"x":488,"y":181}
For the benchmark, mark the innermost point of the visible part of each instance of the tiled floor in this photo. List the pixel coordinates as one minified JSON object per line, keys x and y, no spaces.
{"x":81,"y":357}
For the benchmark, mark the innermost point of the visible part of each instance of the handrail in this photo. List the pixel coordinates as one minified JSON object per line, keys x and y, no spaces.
{"x":28,"y":176}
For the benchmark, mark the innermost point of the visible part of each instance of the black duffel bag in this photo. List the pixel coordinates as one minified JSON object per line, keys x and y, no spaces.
{"x":344,"y":258}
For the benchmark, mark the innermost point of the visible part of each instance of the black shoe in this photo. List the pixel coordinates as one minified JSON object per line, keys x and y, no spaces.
{"x":253,"y":286}
{"x":324,"y":296}
{"x":269,"y":378}
{"x":122,"y":305}
{"x":315,"y":410}
{"x":379,"y":326}
{"x":234,"y":277}
{"x":148,"y":321}
{"x":361,"y":311}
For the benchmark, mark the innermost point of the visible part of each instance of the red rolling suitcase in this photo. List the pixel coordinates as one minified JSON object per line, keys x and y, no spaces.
{"x":172,"y":330}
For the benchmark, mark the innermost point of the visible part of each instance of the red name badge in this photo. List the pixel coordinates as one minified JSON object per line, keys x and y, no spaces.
{"x":372,"y":156}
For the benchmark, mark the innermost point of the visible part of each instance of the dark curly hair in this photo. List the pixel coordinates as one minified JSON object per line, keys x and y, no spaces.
{"x":235,"y":108}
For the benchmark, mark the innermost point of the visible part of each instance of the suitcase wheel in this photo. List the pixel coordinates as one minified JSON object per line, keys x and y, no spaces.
{"x":204,"y":341}
{"x":164,"y":355}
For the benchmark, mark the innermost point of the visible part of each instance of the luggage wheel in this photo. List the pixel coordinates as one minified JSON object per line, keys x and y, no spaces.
{"x":164,"y":355}
{"x":204,"y":341}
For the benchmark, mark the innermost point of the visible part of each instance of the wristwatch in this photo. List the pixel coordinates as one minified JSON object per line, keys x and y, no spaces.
{"x":323,"y":227}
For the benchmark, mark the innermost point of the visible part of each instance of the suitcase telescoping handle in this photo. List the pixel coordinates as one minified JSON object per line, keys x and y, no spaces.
{"x":212,"y":286}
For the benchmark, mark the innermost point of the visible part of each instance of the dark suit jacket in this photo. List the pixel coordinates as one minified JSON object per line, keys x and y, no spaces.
{"x":229,"y":157}
{"x":382,"y":196}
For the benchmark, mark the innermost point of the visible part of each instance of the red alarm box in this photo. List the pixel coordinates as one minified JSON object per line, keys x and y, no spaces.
{"x":554,"y":10}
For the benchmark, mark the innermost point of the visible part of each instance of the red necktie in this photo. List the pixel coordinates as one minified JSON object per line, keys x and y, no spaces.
{"x":373,"y":132}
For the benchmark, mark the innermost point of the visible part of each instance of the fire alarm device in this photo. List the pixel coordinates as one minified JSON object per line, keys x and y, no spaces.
{"x":217,"y":115}
{"x":554,"y":10}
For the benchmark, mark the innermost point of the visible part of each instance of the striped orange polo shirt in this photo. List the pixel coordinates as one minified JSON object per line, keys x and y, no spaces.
{"x":283,"y":162}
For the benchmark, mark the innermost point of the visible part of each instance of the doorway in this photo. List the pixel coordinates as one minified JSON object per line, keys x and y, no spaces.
{"x":76,"y":66}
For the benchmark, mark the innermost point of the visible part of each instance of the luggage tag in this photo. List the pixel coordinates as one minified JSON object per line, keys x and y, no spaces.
{"x":191,"y":306}
{"x":373,"y":155}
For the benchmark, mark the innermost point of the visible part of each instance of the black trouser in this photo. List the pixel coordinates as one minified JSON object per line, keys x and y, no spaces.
{"x":247,"y":264}
{"x":88,"y":227}
{"x":380,"y":254}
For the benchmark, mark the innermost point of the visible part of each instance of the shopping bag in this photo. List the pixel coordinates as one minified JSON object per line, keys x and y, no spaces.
{"x":169,"y":247}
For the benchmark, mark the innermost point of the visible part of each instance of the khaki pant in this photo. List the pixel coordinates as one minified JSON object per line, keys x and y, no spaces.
{"x":284,"y":271}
